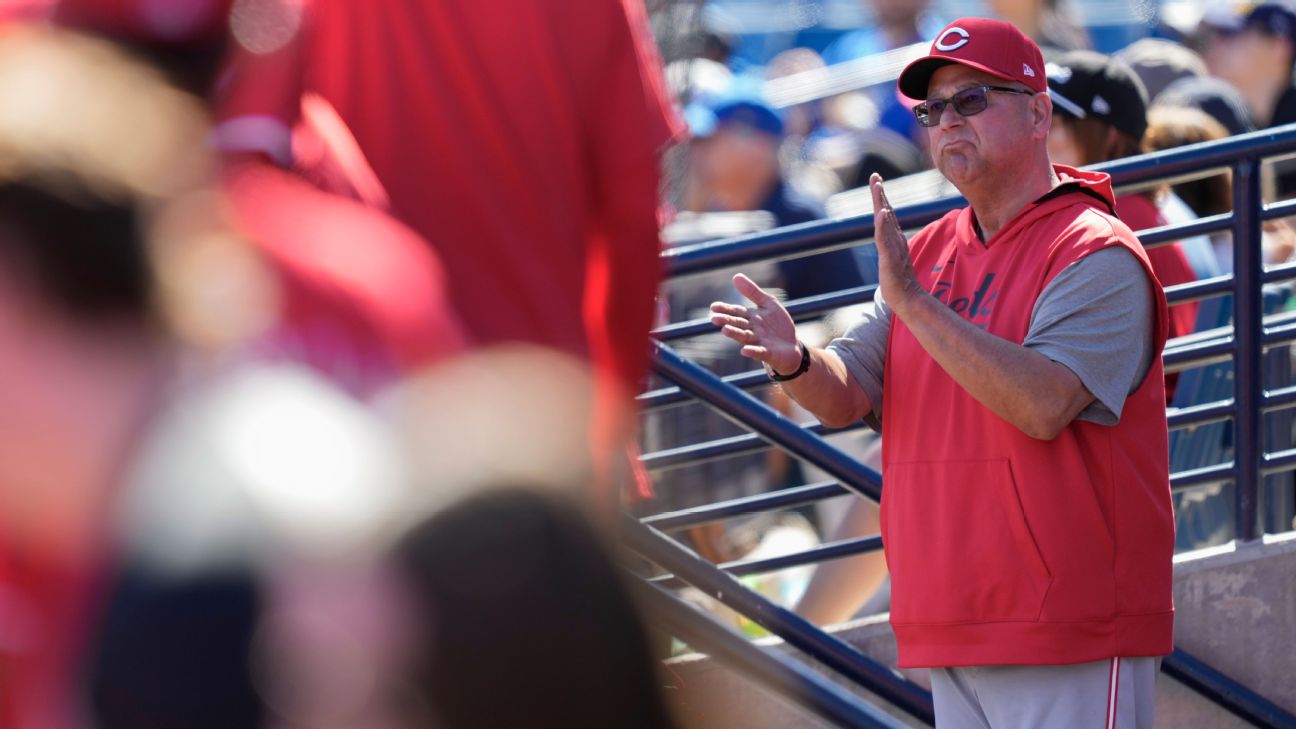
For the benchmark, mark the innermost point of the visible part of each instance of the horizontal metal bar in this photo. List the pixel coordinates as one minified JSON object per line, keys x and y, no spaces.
{"x":792,"y":628}
{"x":1195,"y":290}
{"x":793,"y":241}
{"x":1280,"y":209}
{"x":730,"y":447}
{"x":673,"y":395}
{"x":1202,"y":156}
{"x":1279,"y":272}
{"x":814,"y":555}
{"x":750,"y":412}
{"x":785,"y":677}
{"x":803,"y":309}
{"x":1204,"y":475}
{"x":1207,"y":412}
{"x":1279,"y":328}
{"x":1195,"y":354}
{"x":695,"y":453}
{"x":1280,"y":398}
{"x":1223,"y":690}
{"x":769,"y":501}
{"x":1277,"y":461}
{"x":1164,"y":234}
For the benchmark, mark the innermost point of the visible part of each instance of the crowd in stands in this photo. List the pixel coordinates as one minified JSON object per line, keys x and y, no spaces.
{"x":321,"y":323}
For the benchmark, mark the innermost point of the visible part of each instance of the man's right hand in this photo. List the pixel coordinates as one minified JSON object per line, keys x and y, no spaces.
{"x":765,"y":330}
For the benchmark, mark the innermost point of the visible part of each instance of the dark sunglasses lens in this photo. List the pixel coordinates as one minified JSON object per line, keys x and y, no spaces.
{"x":971,"y":101}
{"x":928,"y":113}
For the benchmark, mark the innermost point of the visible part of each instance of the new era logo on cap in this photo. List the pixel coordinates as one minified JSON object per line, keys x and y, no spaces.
{"x":991,"y":46}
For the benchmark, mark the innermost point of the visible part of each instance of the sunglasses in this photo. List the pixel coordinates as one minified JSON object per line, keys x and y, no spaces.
{"x":966,"y":102}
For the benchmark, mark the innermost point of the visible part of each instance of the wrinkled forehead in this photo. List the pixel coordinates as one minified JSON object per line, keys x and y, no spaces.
{"x":955,"y":77}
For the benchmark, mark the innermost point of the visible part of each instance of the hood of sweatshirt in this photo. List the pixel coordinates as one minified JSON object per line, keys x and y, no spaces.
{"x":1074,"y":187}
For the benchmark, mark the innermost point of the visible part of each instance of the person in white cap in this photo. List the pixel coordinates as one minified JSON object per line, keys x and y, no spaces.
{"x":1013,"y":365}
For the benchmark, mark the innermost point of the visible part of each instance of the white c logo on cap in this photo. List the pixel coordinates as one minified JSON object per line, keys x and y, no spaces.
{"x":963,"y":35}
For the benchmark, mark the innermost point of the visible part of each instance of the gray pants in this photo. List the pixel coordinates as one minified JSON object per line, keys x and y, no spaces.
{"x":1115,"y":693}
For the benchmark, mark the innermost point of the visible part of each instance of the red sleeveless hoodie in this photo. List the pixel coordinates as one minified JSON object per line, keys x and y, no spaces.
{"x":1005,"y":549}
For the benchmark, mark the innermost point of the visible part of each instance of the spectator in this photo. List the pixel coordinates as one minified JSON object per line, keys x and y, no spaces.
{"x":1215,"y":97}
{"x":1052,"y":24}
{"x":995,"y":386}
{"x":1100,"y":114}
{"x":1173,"y":126}
{"x":896,"y":23}
{"x":1170,"y":127}
{"x":1254,"y":52}
{"x":734,"y":165}
{"x":1159,"y":63}
{"x":552,"y":112}
{"x":532,"y":626}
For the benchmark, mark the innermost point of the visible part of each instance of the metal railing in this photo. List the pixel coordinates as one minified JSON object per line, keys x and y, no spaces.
{"x":1243,"y":343}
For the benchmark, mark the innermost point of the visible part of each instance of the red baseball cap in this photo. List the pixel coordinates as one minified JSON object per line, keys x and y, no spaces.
{"x":992,"y":46}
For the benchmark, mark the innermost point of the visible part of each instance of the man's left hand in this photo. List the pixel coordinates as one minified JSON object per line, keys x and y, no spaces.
{"x":896,"y":274}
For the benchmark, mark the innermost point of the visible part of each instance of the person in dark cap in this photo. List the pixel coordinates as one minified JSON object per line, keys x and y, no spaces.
{"x":1099,"y":115}
{"x":1214,"y":96}
{"x":1013,"y":364}
{"x":1160,"y":62}
{"x":734,"y":165}
{"x":1254,"y":53}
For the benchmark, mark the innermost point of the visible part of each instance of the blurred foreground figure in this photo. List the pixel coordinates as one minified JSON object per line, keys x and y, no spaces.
{"x":531,"y":626}
{"x":151,"y":485}
{"x":105,"y":158}
{"x":522,"y":143}
{"x":337,"y":261}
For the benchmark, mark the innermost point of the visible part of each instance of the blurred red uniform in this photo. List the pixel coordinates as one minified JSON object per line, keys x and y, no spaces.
{"x":521,"y":139}
{"x":338,"y":264}
{"x":337,"y":261}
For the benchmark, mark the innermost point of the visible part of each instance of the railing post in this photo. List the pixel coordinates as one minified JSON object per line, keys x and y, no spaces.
{"x":1248,"y":445}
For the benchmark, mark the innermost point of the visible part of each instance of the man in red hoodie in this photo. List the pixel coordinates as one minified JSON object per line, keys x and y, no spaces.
{"x":1013,"y":360}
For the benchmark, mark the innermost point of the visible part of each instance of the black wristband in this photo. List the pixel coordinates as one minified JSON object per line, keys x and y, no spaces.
{"x":800,"y":370}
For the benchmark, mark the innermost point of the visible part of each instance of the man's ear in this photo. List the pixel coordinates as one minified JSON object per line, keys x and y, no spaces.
{"x":1041,"y":108}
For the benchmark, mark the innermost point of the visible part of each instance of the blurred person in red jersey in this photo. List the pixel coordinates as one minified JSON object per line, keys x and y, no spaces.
{"x":337,"y":311}
{"x":1099,"y":115}
{"x":523,"y":144}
